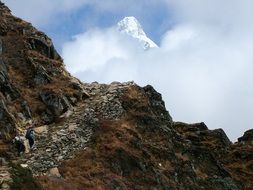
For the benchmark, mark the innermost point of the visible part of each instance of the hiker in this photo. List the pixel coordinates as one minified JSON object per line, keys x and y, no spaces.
{"x":30,"y":135}
{"x":19,"y":144}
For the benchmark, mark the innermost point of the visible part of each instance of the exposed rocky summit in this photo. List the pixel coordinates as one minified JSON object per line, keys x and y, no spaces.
{"x":101,"y":136}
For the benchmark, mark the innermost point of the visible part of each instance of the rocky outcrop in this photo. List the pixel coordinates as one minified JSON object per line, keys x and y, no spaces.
{"x":247,"y":136}
{"x":26,"y":110}
{"x":43,"y":45}
{"x":157,"y":103}
{"x":7,"y":88}
{"x":41,"y":76}
{"x":57,"y":104}
{"x":7,"y":122}
{"x":33,"y":80}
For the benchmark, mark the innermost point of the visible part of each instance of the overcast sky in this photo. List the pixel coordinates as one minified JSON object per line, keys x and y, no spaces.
{"x":203,"y":67}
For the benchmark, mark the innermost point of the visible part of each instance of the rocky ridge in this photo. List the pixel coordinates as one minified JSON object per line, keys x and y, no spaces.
{"x":60,"y":141}
{"x":101,"y":136}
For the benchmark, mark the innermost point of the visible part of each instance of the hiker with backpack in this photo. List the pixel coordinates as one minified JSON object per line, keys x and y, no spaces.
{"x":30,"y":136}
{"x":19,"y":144}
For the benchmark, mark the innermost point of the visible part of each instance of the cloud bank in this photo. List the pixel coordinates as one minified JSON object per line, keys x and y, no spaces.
{"x":203,"y":66}
{"x":40,"y":12}
{"x":43,"y":12}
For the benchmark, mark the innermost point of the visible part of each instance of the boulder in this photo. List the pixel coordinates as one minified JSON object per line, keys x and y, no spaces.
{"x":54,"y":172}
{"x":81,"y":93}
{"x":56,"y":103}
{"x":47,"y":116}
{"x":41,"y":129}
{"x":40,"y":76}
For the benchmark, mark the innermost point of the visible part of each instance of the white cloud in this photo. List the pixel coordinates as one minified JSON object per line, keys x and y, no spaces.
{"x":40,"y":12}
{"x":95,"y":49}
{"x":203,"y":67}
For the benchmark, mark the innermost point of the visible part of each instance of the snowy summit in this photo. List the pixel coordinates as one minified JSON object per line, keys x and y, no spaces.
{"x":131,"y":27}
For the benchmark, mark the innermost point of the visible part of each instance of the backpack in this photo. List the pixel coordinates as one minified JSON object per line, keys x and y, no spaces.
{"x":29,"y":133}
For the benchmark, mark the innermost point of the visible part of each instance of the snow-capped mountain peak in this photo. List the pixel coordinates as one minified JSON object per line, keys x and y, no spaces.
{"x":131,"y":27}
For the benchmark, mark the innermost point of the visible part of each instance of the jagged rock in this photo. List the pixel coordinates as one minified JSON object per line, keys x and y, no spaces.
{"x":3,"y":67}
{"x":221,"y":136}
{"x":56,"y":103}
{"x":26,"y":110}
{"x":29,"y":64}
{"x":44,"y":46}
{"x":47,"y":117}
{"x":54,"y":54}
{"x":7,"y":88}
{"x":82,"y":94}
{"x":54,"y":172}
{"x":157,"y":103}
{"x":247,"y":136}
{"x":40,"y":44}
{"x":1,"y":46}
{"x":196,"y":127}
{"x":7,"y":122}
{"x":41,"y":77}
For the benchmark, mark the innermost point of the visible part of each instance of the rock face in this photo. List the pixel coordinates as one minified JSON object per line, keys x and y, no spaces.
{"x":7,"y":121}
{"x":101,"y":136}
{"x":33,"y":80}
{"x":247,"y":137}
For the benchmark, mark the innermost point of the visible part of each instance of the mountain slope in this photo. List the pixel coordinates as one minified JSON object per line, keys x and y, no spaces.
{"x":33,"y":81}
{"x":101,"y":136}
{"x":131,"y":26}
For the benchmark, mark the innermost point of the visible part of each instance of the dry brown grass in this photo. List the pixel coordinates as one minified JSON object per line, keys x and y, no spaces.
{"x":201,"y":174}
{"x":239,"y":163}
{"x":93,"y":168}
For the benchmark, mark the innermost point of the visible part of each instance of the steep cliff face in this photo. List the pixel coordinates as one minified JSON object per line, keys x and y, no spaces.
{"x":98,"y":136}
{"x":33,"y":81}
